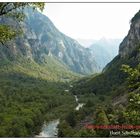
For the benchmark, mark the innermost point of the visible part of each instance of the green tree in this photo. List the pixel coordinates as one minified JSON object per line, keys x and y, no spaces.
{"x":71,"y":119}
{"x":100,"y":117}
{"x":65,"y":130}
{"x":121,"y":115}
{"x":132,"y":112}
{"x":133,"y":78}
{"x":14,"y":11}
{"x":17,"y":128}
{"x":89,"y":103}
{"x":85,"y":133}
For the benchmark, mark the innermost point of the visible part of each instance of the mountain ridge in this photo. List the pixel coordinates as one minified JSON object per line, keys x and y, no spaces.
{"x":41,"y":38}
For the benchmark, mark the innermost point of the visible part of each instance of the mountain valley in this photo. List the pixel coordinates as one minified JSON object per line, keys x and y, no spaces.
{"x":45,"y":75}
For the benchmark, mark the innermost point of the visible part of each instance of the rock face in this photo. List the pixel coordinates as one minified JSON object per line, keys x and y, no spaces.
{"x":132,"y":40}
{"x":41,"y":38}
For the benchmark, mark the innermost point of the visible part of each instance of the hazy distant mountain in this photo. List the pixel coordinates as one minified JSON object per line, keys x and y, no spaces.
{"x":105,"y":50}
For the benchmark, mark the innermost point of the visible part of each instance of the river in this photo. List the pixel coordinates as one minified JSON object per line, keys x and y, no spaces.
{"x":80,"y":105}
{"x":50,"y":129}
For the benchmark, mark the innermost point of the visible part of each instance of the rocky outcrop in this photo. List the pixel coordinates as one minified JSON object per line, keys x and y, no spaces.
{"x":41,"y":38}
{"x":132,"y":40}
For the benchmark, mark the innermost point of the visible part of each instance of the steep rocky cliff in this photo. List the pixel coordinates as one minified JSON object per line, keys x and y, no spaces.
{"x":41,"y":39}
{"x":132,"y":40}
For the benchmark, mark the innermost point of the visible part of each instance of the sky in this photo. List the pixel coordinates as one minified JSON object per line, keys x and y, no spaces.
{"x":92,"y":20}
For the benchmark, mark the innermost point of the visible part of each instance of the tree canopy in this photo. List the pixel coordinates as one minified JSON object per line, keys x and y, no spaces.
{"x":16,"y":12}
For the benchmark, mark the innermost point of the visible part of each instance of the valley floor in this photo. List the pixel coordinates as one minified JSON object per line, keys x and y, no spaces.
{"x":31,"y":106}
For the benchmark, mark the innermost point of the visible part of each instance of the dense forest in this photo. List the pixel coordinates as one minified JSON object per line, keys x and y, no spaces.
{"x":102,"y":110}
{"x":27,"y":101}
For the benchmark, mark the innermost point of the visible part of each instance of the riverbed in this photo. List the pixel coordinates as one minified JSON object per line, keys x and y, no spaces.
{"x":50,"y":129}
{"x":80,"y":105}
